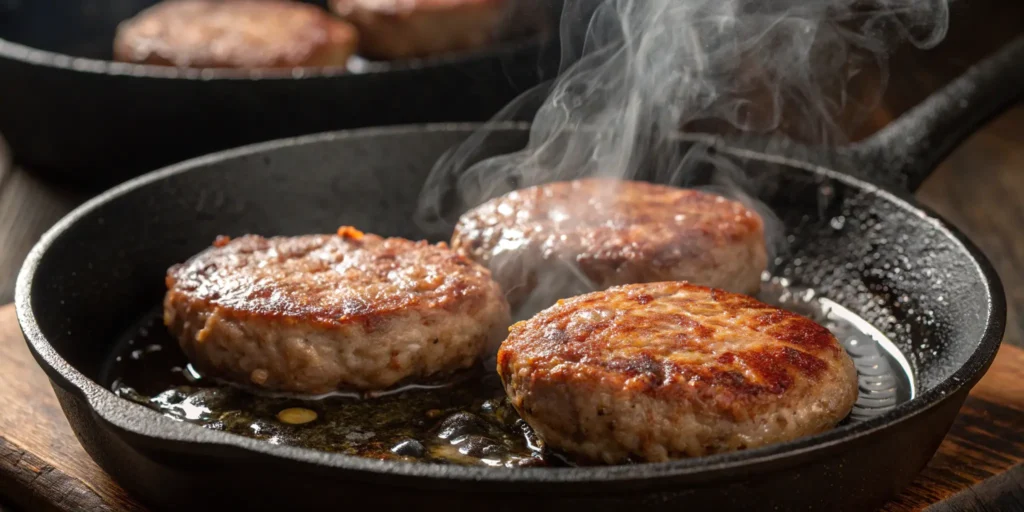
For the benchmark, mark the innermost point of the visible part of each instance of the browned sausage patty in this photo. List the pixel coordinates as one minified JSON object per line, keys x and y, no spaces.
{"x":658,"y":371}
{"x":317,"y":313}
{"x":235,"y":34}
{"x":401,"y":29}
{"x":561,"y":239}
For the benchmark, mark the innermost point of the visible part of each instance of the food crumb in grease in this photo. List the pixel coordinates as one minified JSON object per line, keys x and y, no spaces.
{"x":296,"y":415}
{"x":350,"y":233}
{"x":259,"y":376}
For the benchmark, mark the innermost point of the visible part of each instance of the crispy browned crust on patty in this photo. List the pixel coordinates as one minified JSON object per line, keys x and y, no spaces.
{"x":316,"y":313}
{"x":252,"y":34}
{"x":402,"y":29}
{"x":665,"y":370}
{"x":613,"y":232}
{"x":331,"y":280}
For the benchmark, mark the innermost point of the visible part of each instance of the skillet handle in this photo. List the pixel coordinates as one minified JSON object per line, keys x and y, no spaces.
{"x":911,"y":147}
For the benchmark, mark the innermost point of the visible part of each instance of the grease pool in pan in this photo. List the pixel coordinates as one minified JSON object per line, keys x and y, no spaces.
{"x":465,"y":421}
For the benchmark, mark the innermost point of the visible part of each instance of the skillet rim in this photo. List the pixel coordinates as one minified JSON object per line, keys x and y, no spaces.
{"x":141,"y":421}
{"x":31,"y":55}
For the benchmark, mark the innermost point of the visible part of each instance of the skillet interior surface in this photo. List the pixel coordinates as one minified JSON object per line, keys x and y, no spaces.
{"x":894,"y":264}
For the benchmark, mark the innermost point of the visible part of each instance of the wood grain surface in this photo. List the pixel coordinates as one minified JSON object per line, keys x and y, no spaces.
{"x":28,"y":207}
{"x":43,"y":467}
{"x":1002,"y":493}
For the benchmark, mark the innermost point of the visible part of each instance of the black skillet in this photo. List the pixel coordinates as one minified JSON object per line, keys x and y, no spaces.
{"x":873,"y":250}
{"x":69,"y":112}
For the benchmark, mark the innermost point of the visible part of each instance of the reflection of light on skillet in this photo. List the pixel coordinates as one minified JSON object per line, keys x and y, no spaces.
{"x":465,"y":420}
{"x":864,"y":351}
{"x":884,"y":375}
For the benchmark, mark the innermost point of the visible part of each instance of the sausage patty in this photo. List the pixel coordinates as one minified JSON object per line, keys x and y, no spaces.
{"x":317,"y":313}
{"x":658,"y":371}
{"x":235,"y":34}
{"x":401,"y":29}
{"x":561,"y":239}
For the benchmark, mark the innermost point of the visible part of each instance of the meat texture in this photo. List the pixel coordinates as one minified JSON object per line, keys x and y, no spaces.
{"x":565,"y":238}
{"x":251,"y":34}
{"x":658,"y":371}
{"x":318,"y":313}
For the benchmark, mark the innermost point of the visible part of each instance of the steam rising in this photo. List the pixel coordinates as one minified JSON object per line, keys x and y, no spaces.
{"x":636,"y":72}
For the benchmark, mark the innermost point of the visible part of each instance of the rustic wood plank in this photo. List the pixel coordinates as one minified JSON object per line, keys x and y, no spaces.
{"x":1003,"y":493}
{"x":28,"y":207}
{"x":42,"y":465}
{"x":1010,"y":365}
{"x":41,"y":461}
{"x":47,"y":488}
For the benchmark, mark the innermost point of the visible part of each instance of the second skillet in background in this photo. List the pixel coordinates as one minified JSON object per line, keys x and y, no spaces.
{"x":82,"y":118}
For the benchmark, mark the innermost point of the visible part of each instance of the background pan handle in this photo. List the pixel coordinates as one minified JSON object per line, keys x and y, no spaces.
{"x":911,"y":147}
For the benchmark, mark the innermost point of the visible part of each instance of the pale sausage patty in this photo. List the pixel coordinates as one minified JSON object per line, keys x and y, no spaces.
{"x":561,"y":239}
{"x":317,"y":313}
{"x":250,"y":34}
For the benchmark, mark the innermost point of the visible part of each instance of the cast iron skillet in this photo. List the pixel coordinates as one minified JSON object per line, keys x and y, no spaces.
{"x":68,"y":111}
{"x":875,"y":251}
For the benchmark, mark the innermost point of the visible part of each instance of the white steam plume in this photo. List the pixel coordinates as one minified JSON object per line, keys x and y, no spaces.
{"x":634,"y":73}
